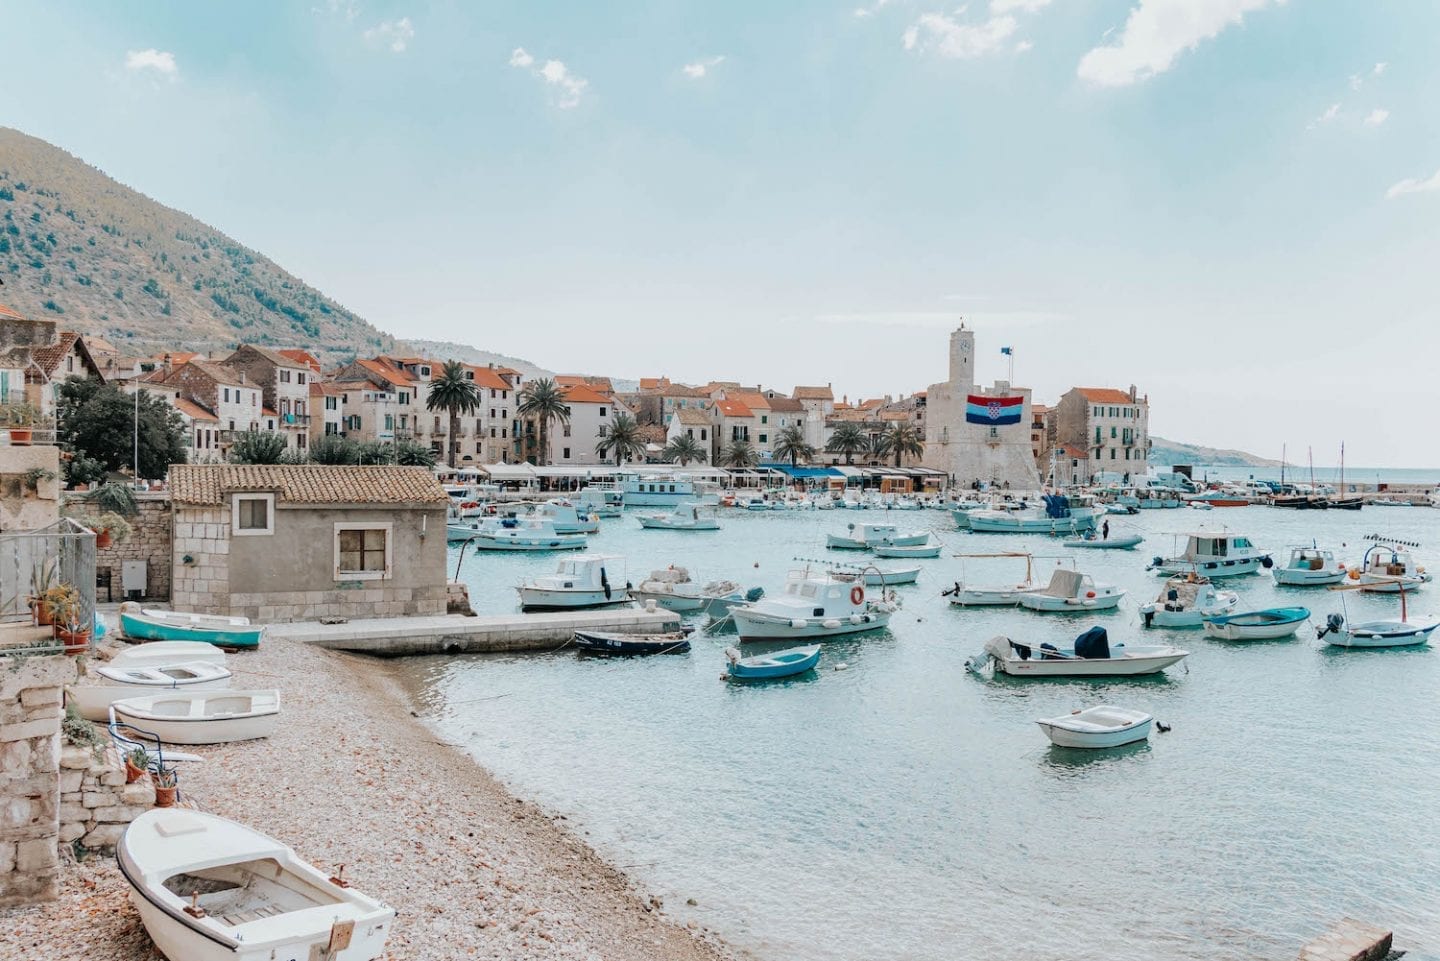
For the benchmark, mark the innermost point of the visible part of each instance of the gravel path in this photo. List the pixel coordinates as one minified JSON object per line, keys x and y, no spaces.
{"x":352,"y":778}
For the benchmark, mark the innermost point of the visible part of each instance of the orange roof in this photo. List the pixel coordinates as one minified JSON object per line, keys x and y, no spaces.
{"x":7,"y":312}
{"x":193,"y":410}
{"x":734,"y":408}
{"x":301,"y":357}
{"x":1071,"y":450}
{"x":654,"y":383}
{"x":1104,"y":395}
{"x":319,"y":389}
{"x":490,"y":378}
{"x":394,"y":375}
{"x":813,"y":393}
{"x":568,"y":380}
{"x":750,"y":399}
{"x":584,"y":394}
{"x":178,"y":357}
{"x":267,"y":412}
{"x":871,"y":404}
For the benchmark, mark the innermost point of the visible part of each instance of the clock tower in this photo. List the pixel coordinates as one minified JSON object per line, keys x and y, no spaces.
{"x":962,"y":360}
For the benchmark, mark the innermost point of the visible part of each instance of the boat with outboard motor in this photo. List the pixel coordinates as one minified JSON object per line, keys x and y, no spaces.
{"x":1267,"y":625}
{"x":1308,"y":567}
{"x":673,"y":590}
{"x":814,"y":605}
{"x":1213,"y":555}
{"x":1389,"y":567}
{"x":1060,"y":514}
{"x":1092,"y":655}
{"x":963,"y":594}
{"x":1186,"y":602}
{"x":685,"y":517}
{"x":523,"y":534}
{"x":612,"y":644}
{"x":1071,"y":592}
{"x":1092,"y":541}
{"x":579,"y":582}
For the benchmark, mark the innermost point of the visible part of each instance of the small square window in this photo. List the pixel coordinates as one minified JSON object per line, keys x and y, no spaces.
{"x":253,"y":514}
{"x":362,"y":553}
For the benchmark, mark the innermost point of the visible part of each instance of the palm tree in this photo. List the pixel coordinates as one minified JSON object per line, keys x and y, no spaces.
{"x":790,"y":444}
{"x":623,"y":438}
{"x":877,"y":446}
{"x":903,"y":440}
{"x":455,"y":394}
{"x":545,"y":402}
{"x":848,"y":439}
{"x":739,"y":455}
{"x":683,"y":449}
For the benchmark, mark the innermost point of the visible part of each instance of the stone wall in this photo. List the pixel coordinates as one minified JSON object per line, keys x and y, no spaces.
{"x":30,"y":775}
{"x":23,"y":506}
{"x":150,"y":542}
{"x":95,"y":802}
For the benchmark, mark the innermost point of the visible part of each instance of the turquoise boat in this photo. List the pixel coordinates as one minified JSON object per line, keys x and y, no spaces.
{"x":179,"y":626}
{"x":765,"y":667}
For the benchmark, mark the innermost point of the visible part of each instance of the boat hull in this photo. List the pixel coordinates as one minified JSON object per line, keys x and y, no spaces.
{"x":158,"y":653}
{"x":93,"y":701}
{"x":568,"y":542}
{"x":920,"y":551}
{"x":679,"y":603}
{"x":774,"y":666}
{"x":1410,"y":583}
{"x":1210,"y":569}
{"x":539,"y":599}
{"x":1251,"y":632}
{"x":1127,"y":543}
{"x":630,"y":645}
{"x":1046,"y":604}
{"x":1297,"y":577}
{"x":258,"y":720}
{"x":1062,"y":736}
{"x":141,"y":627}
{"x":988,"y":596}
{"x":753,"y":627}
{"x":875,"y":578}
{"x":664,"y":524}
{"x":1383,"y":634}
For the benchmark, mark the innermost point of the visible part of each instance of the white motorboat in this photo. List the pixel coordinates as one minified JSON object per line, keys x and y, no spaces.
{"x":685,"y":517}
{"x":117,"y":682}
{"x":1097,"y":727}
{"x":202,"y":717}
{"x":208,"y":889}
{"x":1087,"y":658}
{"x":673,"y":590}
{"x":918,"y":551}
{"x":523,"y":534}
{"x":582,"y":581}
{"x":1120,"y":542}
{"x":993,"y":595}
{"x":165,"y":653}
{"x":874,"y":575}
{"x":1213,"y":555}
{"x":604,"y":500}
{"x":567,"y":518}
{"x":1060,"y":514}
{"x":666,"y":491}
{"x":1388,"y":567}
{"x":1380,"y":633}
{"x":814,"y":605}
{"x":1071,"y":592}
{"x":1186,"y":602}
{"x":1308,"y":567}
{"x":861,"y":537}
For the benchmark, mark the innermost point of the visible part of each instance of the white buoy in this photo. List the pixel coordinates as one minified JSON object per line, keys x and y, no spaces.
{"x":842,"y":666}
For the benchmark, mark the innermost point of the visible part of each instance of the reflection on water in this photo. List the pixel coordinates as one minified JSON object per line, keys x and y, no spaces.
{"x":905,"y":809}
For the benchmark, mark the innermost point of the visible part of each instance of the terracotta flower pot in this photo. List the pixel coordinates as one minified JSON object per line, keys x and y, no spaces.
{"x":165,"y":796}
{"x":102,"y":540}
{"x":77,"y":642}
{"x":132,"y":773}
{"x":43,"y":617}
{"x":20,"y":436}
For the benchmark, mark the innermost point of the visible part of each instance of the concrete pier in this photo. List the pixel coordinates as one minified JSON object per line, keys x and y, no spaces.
{"x":457,"y":634}
{"x":1350,"y":940}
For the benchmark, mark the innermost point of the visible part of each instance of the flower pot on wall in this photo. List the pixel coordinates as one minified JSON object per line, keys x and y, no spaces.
{"x":102,"y":540}
{"x":76,"y":642}
{"x":20,"y":436}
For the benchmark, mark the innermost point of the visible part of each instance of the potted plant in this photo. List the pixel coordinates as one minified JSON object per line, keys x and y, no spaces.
{"x":110,"y":528}
{"x":63,"y":600}
{"x":42,"y":579}
{"x":21,"y":418}
{"x":114,"y":497}
{"x":137,"y":762}
{"x":167,"y":783}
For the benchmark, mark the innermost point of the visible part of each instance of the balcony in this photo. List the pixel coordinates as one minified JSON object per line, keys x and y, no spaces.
{"x":295,"y":421}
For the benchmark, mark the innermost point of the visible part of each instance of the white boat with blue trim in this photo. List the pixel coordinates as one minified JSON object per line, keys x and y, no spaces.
{"x":1208,"y":554}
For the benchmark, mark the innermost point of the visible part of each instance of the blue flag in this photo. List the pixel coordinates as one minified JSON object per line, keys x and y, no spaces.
{"x":1007,"y":350}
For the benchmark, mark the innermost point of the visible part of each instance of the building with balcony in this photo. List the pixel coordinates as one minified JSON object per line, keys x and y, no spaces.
{"x":285,"y":389}
{"x":1112,"y":425}
{"x":236,"y":402}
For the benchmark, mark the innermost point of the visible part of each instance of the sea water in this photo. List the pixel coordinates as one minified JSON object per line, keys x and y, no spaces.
{"x":903,"y":808}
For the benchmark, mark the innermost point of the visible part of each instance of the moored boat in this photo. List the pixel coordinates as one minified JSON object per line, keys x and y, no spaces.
{"x":860,"y":537}
{"x":1308,"y":567}
{"x":209,"y":889}
{"x":1213,"y":555}
{"x":685,"y":517}
{"x":1071,"y":592}
{"x":155,"y":625}
{"x":1379,"y":633}
{"x":1389,"y":567}
{"x":1186,"y":602}
{"x":918,"y":551}
{"x":202,"y":717}
{"x":1121,"y":542}
{"x":631,"y":645}
{"x":579,"y":582}
{"x":673,"y":590}
{"x":765,"y":667}
{"x":1097,"y":727}
{"x":1263,"y":625}
{"x":1061,"y":514}
{"x":523,"y":534}
{"x":1091,"y":656}
{"x":964,"y":594}
{"x":873,"y":575}
{"x":813,"y":606}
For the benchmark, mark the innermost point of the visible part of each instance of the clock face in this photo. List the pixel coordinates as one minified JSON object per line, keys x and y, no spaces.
{"x":965,"y":346}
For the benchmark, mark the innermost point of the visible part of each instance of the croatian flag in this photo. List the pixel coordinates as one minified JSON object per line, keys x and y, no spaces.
{"x":993,"y":410}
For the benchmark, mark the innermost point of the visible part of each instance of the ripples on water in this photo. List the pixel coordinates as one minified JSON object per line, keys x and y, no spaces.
{"x":903,"y":809}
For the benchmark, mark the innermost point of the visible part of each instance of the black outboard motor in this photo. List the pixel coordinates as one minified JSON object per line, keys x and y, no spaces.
{"x":1149,"y":617}
{"x":1334,"y":622}
{"x":1094,"y":643}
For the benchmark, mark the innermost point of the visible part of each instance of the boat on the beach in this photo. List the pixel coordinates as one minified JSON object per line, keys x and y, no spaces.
{"x":1071,"y":592}
{"x":163,"y":653}
{"x":579,"y":582}
{"x":765,"y":667}
{"x":630,"y":645}
{"x":1061,"y":514}
{"x":1389,"y":567}
{"x":1308,"y":567}
{"x":523,"y":534}
{"x":117,"y":682}
{"x":815,"y":606}
{"x":209,"y":889}
{"x":685,"y":517}
{"x":1091,"y":655}
{"x":1378,"y":633}
{"x":202,"y":717}
{"x":156,"y":625}
{"x":861,"y":537}
{"x":673,"y":590}
{"x":1097,"y":727}
{"x":918,"y":551}
{"x":1186,"y":602}
{"x":1266,"y":625}
{"x":1121,"y":542}
{"x":1213,"y":555}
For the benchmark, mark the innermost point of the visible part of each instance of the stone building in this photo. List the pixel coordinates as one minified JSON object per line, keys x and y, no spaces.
{"x":285,"y":389}
{"x":998,"y":454}
{"x":293,"y":542}
{"x":1113,"y":426}
{"x":695,"y":423}
{"x":236,"y":402}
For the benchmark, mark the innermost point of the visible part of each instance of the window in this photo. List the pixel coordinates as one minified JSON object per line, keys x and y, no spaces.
{"x":284,"y":376}
{"x":565,"y":454}
{"x":227,"y":395}
{"x":492,"y":432}
{"x":702,"y":434}
{"x":602,"y":412}
{"x":764,"y":437}
{"x":300,"y":377}
{"x":764,"y":418}
{"x":404,"y":397}
{"x":362,"y":552}
{"x":567,"y":431}
{"x":602,"y":430}
{"x":252,"y":515}
{"x":1112,"y":433}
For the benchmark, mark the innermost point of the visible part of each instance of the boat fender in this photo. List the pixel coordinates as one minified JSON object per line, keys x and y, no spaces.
{"x":605,"y":583}
{"x":856,"y":619}
{"x":857,"y":595}
{"x":1354,"y":573}
{"x":1266,"y":562}
{"x":1156,"y":561}
{"x":830,"y":624}
{"x":799,"y":623}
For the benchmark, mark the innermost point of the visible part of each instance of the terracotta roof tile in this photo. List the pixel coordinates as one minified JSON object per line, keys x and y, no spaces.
{"x":813,"y":393}
{"x":584,"y":394}
{"x":1104,"y":395}
{"x":48,"y":358}
{"x":207,"y":484}
{"x":693,"y":416}
{"x":394,"y":375}
{"x":786,"y":405}
{"x":8,"y":312}
{"x":751,"y":399}
{"x":302,"y":357}
{"x":490,"y":379}
{"x":733,"y":408}
{"x":322,"y":389}
{"x":193,"y":410}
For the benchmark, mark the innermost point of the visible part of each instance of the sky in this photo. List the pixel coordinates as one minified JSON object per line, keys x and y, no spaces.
{"x":1232,"y":204}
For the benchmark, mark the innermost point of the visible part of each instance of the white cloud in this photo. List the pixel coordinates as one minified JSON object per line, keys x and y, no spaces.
{"x":1023,"y":46}
{"x":1379,"y":68}
{"x":701,"y":67}
{"x":1009,"y":6}
{"x":1376,"y":117}
{"x":339,"y":8}
{"x":1156,"y":33}
{"x":1331,"y":112}
{"x":160,"y":61}
{"x":519,"y":58}
{"x":1414,"y":185}
{"x":569,"y":87}
{"x":874,"y":8}
{"x":961,"y":41}
{"x":395,"y":34}
{"x":1356,"y":81}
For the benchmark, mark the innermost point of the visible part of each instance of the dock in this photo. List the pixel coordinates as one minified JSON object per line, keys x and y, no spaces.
{"x":458,"y":634}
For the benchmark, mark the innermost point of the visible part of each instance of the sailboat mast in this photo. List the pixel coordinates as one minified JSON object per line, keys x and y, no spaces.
{"x":1282,"y":465}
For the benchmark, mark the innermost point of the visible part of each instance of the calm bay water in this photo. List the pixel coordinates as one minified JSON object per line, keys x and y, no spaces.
{"x":904,"y":809}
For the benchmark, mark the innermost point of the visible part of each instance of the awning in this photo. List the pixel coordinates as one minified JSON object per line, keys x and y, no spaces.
{"x":510,"y":472}
{"x":849,"y":471}
{"x":804,"y":472}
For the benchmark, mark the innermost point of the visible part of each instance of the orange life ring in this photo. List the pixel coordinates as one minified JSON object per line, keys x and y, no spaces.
{"x":1089,"y":593}
{"x":857,"y":595}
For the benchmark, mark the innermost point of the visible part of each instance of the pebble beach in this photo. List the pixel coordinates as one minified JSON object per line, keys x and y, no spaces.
{"x":353,"y":777}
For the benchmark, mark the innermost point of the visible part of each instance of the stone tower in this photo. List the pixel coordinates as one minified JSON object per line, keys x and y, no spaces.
{"x":962,"y":359}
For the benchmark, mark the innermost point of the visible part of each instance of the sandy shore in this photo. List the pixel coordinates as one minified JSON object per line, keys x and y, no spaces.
{"x":352,"y":778}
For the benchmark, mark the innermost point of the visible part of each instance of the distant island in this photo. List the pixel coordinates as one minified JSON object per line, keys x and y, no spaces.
{"x":1167,"y":453}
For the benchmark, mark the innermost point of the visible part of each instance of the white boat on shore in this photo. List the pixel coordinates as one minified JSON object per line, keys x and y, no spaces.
{"x":1097,"y":727}
{"x":1091,"y":656}
{"x":1308,"y":567}
{"x":673,"y":590}
{"x":685,"y":517}
{"x":1186,"y":602}
{"x":523,"y":534}
{"x":579,"y":582}
{"x":862,"y":537}
{"x":1212,"y":555}
{"x":208,"y":889}
{"x":202,"y":717}
{"x":117,"y":682}
{"x":165,"y":653}
{"x":814,"y":606}
{"x":1071,"y":592}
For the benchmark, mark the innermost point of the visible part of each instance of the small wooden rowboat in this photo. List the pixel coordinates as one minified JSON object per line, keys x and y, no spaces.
{"x":1257,"y":625}
{"x":202,"y":717}
{"x":764,"y":667}
{"x":1097,"y":727}
{"x":152,"y":625}
{"x":117,"y":682}
{"x":208,"y":889}
{"x":164,"y":653}
{"x":626,"y":645}
{"x":903,"y":550}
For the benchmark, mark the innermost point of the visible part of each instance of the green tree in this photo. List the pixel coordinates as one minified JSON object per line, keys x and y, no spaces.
{"x":848,"y":439}
{"x":455,"y":394}
{"x":623,"y":438}
{"x":99,"y":421}
{"x":739,"y":455}
{"x":258,"y":447}
{"x":374,"y":452}
{"x":410,"y":454}
{"x":790,"y":444}
{"x":545,"y":402}
{"x":903,"y":440}
{"x":332,"y":449}
{"x":683,"y":449}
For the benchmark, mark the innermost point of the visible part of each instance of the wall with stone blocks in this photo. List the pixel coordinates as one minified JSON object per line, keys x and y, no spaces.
{"x":149,"y":542}
{"x":95,"y":802}
{"x":30,"y":715}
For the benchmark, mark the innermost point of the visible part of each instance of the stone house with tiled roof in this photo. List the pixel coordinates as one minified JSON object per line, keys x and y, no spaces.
{"x":285,"y":389}
{"x":298,"y":542}
{"x":52,"y":365}
{"x":237,"y":402}
{"x":1112,"y":425}
{"x":697,"y":424}
{"x":592,"y":413}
